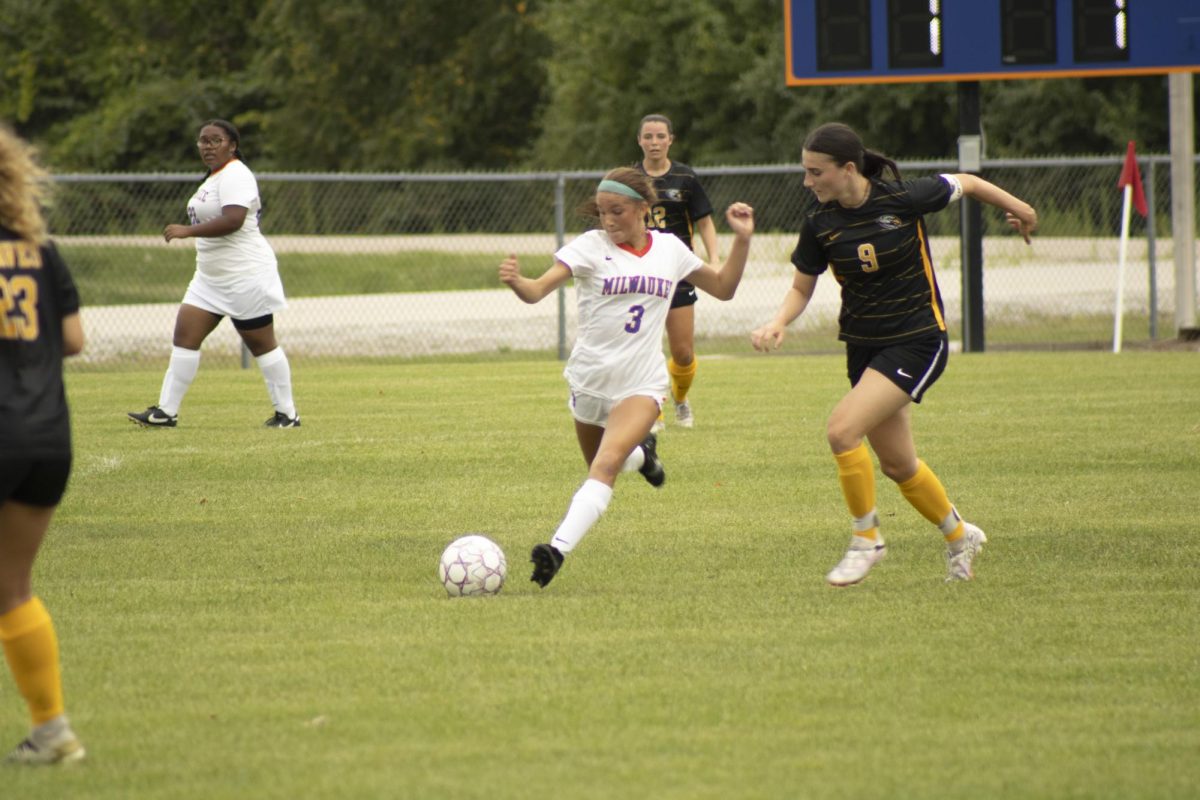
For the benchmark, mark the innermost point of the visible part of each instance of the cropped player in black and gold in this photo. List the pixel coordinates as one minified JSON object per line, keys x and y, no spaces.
{"x":868,"y":230}
{"x":683,"y":209}
{"x":39,"y":324}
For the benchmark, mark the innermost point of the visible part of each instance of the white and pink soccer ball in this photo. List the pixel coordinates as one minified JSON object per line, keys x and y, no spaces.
{"x":472,"y":565}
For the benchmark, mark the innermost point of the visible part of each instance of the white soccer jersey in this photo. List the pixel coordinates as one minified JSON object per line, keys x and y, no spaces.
{"x":623,"y":302}
{"x":243,"y":252}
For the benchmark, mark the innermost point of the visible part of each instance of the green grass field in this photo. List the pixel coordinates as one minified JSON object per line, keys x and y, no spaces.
{"x":247,"y":613}
{"x":120,"y":275}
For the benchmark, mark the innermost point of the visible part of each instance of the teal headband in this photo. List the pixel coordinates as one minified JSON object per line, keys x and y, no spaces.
{"x":616,"y":187}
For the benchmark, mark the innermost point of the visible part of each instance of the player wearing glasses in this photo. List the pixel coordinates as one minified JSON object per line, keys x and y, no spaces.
{"x":236,"y":276}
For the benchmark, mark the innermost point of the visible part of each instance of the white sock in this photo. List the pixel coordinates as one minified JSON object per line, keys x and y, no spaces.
{"x":181,"y":371}
{"x":278,"y":375}
{"x":950,"y":524}
{"x":586,"y":507}
{"x":49,"y":731}
{"x":635,"y":460}
{"x":866,"y":522}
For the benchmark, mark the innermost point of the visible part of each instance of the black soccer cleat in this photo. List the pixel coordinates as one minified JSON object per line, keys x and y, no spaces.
{"x":282,"y":420}
{"x":652,"y":470}
{"x":547,"y":561}
{"x":154,"y":417}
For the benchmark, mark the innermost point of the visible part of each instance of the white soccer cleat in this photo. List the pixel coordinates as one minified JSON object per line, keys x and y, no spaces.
{"x":63,"y":748}
{"x":854,"y":566}
{"x":683,"y":415}
{"x":958,"y":562}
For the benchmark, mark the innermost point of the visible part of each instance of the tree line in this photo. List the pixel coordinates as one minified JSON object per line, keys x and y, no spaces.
{"x":400,"y":85}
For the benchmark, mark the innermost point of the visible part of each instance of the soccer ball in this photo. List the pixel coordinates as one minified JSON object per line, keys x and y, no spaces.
{"x":472,"y":565}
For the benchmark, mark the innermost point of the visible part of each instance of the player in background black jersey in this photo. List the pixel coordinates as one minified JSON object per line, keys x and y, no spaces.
{"x":868,"y":229}
{"x":39,"y":324}
{"x":682,"y":209}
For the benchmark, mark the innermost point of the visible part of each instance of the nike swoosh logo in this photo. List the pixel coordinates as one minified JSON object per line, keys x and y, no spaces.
{"x":833,"y":236}
{"x":903,"y":373}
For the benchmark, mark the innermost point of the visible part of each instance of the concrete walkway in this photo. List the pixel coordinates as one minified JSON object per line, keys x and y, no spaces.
{"x":1054,"y":277}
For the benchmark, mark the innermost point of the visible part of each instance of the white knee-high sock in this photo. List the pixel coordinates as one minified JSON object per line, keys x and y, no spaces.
{"x":586,"y":507}
{"x":634,"y":460}
{"x":278,"y":375}
{"x":181,"y":371}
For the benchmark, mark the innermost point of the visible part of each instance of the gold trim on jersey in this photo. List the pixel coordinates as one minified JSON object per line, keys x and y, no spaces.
{"x":927,"y":262}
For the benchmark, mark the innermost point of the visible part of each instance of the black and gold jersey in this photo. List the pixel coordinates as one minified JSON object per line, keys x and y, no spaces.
{"x":681,"y":201}
{"x":36,"y":293}
{"x":879,"y":254}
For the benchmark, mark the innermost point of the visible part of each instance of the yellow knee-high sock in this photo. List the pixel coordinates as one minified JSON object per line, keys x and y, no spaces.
{"x":928,"y":496}
{"x":856,"y":473}
{"x":681,"y":378}
{"x":31,"y":649}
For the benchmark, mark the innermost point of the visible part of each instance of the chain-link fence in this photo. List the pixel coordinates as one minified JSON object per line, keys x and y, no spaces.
{"x":404,"y":265}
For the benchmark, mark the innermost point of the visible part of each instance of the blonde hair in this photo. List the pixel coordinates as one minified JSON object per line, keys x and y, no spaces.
{"x":24,"y":187}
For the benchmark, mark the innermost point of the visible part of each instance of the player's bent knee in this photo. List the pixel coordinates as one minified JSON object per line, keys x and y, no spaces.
{"x":841,"y":438}
{"x":605,"y":468}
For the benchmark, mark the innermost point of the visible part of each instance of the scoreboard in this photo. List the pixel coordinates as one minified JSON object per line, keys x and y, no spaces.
{"x":896,"y":41}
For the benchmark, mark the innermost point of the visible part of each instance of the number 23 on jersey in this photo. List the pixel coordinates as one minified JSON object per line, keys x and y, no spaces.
{"x":18,"y":308}
{"x":18,"y":292}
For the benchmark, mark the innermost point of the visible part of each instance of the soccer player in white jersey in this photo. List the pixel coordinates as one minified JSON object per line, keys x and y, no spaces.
{"x":625,"y":277}
{"x":236,"y":276}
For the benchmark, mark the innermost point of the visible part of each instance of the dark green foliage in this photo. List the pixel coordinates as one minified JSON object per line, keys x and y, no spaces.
{"x":113,"y":85}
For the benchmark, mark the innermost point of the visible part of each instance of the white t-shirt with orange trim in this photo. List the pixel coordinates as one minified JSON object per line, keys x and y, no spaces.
{"x":245,"y":252}
{"x":623,"y":298}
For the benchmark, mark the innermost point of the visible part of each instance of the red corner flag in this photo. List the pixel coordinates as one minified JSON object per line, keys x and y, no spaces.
{"x":1132,"y":176}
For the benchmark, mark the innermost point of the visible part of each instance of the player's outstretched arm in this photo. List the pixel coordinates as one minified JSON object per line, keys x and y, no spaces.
{"x":1020,"y":215}
{"x":770,"y":336}
{"x":232,"y":219}
{"x":722,"y":284}
{"x":529,"y":289}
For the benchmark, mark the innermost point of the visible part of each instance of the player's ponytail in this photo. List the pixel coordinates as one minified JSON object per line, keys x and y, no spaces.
{"x":842,"y":144}
{"x":874,"y":164}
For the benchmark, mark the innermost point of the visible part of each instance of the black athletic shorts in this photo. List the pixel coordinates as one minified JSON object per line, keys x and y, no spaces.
{"x":913,"y":366}
{"x":685,"y":295}
{"x":34,"y":481}
{"x":253,"y":324}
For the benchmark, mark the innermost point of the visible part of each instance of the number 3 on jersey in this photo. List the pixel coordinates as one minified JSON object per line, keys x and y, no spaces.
{"x":635,"y":319}
{"x":18,"y":294}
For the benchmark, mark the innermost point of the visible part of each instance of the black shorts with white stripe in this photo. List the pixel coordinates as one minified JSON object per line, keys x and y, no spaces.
{"x":914,"y":365}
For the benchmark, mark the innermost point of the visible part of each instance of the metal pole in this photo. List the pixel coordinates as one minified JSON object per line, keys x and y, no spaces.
{"x":1150,"y":246}
{"x":560,"y":232}
{"x":970,"y":159}
{"x":1183,"y":199}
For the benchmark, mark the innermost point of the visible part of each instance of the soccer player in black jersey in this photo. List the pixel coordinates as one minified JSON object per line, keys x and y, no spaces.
{"x":683,"y":209}
{"x":868,"y":230}
{"x":39,"y":324}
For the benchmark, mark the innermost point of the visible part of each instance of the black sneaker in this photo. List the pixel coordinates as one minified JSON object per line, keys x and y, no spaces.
{"x":282,"y":420}
{"x":652,"y":470}
{"x":547,"y":561}
{"x":153,"y":417}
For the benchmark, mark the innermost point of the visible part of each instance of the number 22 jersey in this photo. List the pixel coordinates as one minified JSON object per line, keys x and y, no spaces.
{"x":623,"y":299}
